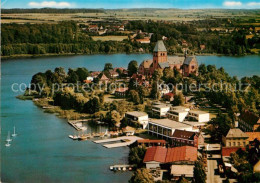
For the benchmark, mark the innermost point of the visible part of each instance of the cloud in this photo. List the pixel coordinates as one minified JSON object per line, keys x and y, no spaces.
{"x":50,"y":4}
{"x":232,"y":3}
{"x":253,"y":4}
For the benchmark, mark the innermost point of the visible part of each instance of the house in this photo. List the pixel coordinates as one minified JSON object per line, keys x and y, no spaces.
{"x":165,"y":127}
{"x":248,"y":121}
{"x":95,"y":74}
{"x":138,"y":117}
{"x":121,"y":92}
{"x":178,"y":171}
{"x":168,"y":96}
{"x":186,"y":65}
{"x":90,"y":78}
{"x":113,"y":74}
{"x":160,"y":110}
{"x":177,"y":115}
{"x":202,"y":47}
{"x":257,"y":167}
{"x":93,"y":28}
{"x":187,"y":138}
{"x":121,"y":28}
{"x":199,"y":116}
{"x":235,"y":138}
{"x":150,"y":143}
{"x":103,"y":78}
{"x":253,"y":135}
{"x":145,"y":40}
{"x":156,"y":156}
{"x":129,"y":131}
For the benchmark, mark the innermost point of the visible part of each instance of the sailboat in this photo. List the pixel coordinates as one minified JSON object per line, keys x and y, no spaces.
{"x":8,"y":139}
{"x":14,"y":134}
{"x":8,"y":144}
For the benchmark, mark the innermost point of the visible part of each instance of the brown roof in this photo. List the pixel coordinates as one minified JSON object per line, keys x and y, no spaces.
{"x":226,"y":151}
{"x":249,"y":117}
{"x":155,"y":153}
{"x":236,"y":132}
{"x":163,"y":155}
{"x":183,"y":134}
{"x":146,"y":64}
{"x":103,"y":77}
{"x":253,"y":135}
{"x":183,"y":153}
{"x":121,"y":90}
{"x":151,"y":141}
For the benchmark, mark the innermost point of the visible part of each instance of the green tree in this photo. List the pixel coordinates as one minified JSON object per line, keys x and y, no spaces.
{"x":132,"y":67}
{"x":136,"y":156}
{"x":199,"y":171}
{"x":82,"y":73}
{"x":134,"y":97}
{"x":178,"y":99}
{"x":141,"y":176}
{"x":92,"y":106}
{"x":108,"y":67}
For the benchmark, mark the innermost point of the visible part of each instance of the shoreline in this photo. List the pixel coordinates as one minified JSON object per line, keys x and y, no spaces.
{"x":5,"y":58}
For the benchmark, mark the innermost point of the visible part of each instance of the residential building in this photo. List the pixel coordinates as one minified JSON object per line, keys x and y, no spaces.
{"x":187,"y":138}
{"x":150,"y":143}
{"x":186,"y":65}
{"x":160,"y":110}
{"x":157,"y":155}
{"x":235,"y":138}
{"x":177,"y":115}
{"x":95,"y":74}
{"x":121,"y":92}
{"x":248,"y":121}
{"x":138,"y":117}
{"x":145,"y":40}
{"x":113,"y":74}
{"x":168,"y":96}
{"x":199,"y":116}
{"x":166,"y":127}
{"x":103,"y":78}
{"x":144,"y":67}
{"x":178,"y":171}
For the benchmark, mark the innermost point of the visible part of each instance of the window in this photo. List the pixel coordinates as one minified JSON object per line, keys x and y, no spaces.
{"x":192,"y":67}
{"x":234,"y":143}
{"x":229,"y":144}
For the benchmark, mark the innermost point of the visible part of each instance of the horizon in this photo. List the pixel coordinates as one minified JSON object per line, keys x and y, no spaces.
{"x":131,"y":4}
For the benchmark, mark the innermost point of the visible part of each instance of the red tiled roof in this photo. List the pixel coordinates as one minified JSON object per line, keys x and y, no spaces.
{"x":183,"y":153}
{"x":253,"y":135}
{"x":226,"y":151}
{"x":163,"y":155}
{"x":169,"y":94}
{"x":151,"y":141}
{"x":121,"y":89}
{"x":155,"y":153}
{"x":184,"y":134}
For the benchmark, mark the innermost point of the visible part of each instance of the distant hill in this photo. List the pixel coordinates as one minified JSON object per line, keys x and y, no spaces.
{"x":51,"y":10}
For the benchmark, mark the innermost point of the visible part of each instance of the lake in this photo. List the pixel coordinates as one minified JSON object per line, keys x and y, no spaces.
{"x":42,"y":151}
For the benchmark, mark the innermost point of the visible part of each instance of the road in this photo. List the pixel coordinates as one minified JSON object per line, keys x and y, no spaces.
{"x":212,"y":167}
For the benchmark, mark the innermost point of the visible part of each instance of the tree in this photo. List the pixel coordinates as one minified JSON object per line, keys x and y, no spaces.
{"x":178,"y":99}
{"x":134,"y":97}
{"x":92,"y":106}
{"x":136,"y":156}
{"x":155,"y":91}
{"x":199,"y":171}
{"x":108,"y":67}
{"x":72,"y":76}
{"x":113,"y":118}
{"x":132,"y":67}
{"x":82,"y":73}
{"x":167,"y":74}
{"x":141,"y":176}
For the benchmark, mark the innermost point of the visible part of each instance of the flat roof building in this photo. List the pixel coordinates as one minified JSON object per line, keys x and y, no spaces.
{"x":138,"y":117}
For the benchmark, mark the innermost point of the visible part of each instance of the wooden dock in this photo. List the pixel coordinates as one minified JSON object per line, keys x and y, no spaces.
{"x":125,"y":141}
{"x":76,"y":126}
{"x":121,"y":167}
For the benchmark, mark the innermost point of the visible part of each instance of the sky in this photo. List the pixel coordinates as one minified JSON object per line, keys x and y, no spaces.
{"x":118,"y":4}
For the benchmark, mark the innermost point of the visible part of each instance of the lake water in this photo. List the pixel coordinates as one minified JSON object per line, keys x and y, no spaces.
{"x":42,"y":152}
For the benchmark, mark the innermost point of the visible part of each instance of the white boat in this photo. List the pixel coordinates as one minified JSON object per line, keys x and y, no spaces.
{"x":8,"y":144}
{"x":14,"y":134}
{"x":73,"y":137}
{"x":8,"y":139}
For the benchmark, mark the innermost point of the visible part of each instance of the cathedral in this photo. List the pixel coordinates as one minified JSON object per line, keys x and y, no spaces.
{"x":185,"y":65}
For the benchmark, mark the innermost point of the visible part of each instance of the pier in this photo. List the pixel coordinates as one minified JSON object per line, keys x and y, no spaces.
{"x":121,"y":167}
{"x":76,"y":124}
{"x":125,"y":141}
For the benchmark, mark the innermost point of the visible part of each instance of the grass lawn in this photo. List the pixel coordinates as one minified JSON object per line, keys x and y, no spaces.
{"x":109,"y":38}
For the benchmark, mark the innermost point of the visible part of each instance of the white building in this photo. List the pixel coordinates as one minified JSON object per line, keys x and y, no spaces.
{"x":89,"y":78}
{"x":199,"y":116}
{"x":180,"y":108}
{"x":160,"y":110}
{"x":138,"y":117}
{"x":166,"y":127}
{"x":177,"y":115}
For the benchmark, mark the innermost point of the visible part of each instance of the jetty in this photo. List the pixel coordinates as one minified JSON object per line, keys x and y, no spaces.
{"x":123,"y":141}
{"x":121,"y":167}
{"x":77,"y":125}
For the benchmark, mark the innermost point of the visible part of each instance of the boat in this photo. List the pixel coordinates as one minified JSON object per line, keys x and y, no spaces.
{"x":14,"y":134}
{"x":8,"y":144}
{"x":8,"y":139}
{"x":83,"y":137}
{"x":73,"y":137}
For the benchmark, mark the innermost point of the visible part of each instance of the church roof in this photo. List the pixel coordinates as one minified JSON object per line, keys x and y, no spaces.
{"x":188,"y":60}
{"x":159,"y":46}
{"x":164,"y":65}
{"x":175,"y":60}
{"x":147,"y":63}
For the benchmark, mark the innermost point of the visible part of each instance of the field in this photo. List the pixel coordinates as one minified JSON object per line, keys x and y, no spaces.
{"x":109,"y":38}
{"x":175,"y":15}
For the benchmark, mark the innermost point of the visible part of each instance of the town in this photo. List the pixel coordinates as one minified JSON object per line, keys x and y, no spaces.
{"x":173,"y":135}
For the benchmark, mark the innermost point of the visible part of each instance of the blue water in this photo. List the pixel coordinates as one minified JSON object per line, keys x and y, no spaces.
{"x":42,"y":152}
